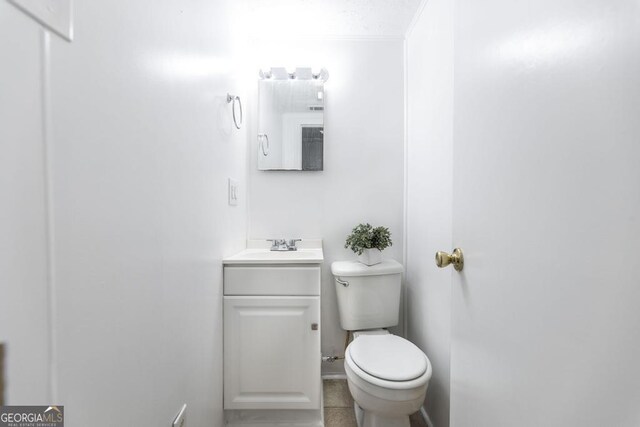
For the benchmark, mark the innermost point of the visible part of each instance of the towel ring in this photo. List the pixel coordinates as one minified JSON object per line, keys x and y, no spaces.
{"x":233,"y":99}
{"x":262,"y":137}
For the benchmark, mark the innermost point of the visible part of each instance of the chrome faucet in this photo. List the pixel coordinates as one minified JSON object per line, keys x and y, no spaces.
{"x":283,"y":244}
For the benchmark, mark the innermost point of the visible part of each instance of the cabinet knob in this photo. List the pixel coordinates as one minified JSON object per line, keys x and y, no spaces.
{"x":314,"y":326}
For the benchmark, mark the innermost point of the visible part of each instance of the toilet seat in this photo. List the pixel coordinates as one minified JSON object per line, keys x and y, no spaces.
{"x":388,"y":357}
{"x":361,"y":376}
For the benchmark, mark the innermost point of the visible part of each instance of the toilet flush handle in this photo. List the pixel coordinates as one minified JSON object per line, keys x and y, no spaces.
{"x":342,"y":282}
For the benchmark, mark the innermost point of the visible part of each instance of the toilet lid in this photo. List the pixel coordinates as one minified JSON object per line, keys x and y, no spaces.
{"x":388,"y":357}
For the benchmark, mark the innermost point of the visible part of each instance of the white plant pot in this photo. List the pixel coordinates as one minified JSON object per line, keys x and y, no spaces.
{"x":370,"y":257}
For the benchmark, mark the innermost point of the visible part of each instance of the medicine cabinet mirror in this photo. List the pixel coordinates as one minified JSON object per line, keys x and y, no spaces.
{"x":291,"y":123}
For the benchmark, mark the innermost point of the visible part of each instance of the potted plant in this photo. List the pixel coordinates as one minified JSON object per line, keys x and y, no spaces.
{"x":368,"y":243}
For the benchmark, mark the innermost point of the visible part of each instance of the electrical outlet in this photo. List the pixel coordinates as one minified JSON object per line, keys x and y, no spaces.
{"x":233,"y":192}
{"x":181,"y":418}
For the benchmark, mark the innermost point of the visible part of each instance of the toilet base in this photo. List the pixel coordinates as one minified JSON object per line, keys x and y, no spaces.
{"x":371,"y":419}
{"x":359,"y":414}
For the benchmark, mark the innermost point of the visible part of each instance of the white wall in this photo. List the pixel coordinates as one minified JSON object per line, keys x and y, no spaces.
{"x":429,"y":62}
{"x":142,"y":144}
{"x":363,"y":159}
{"x":24,"y":309}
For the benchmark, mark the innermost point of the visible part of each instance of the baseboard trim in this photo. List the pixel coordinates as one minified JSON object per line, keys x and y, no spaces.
{"x":425,"y":417}
{"x":334,"y":377}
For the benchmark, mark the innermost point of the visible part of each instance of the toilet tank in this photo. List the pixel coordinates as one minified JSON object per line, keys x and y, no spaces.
{"x":369,"y":296}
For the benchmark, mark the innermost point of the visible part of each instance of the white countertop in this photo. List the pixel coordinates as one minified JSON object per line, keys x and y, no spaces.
{"x":258,"y":252}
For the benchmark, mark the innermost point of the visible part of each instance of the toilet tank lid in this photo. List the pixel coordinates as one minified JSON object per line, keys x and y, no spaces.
{"x":355,"y":268}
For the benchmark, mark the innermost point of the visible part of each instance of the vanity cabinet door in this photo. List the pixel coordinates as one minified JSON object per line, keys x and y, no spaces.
{"x":271,"y":352}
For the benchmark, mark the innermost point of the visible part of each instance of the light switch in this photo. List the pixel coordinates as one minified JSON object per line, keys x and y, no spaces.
{"x":233,"y":192}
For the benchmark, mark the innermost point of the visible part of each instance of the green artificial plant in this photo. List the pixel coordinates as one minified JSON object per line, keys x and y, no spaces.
{"x":365,"y":236}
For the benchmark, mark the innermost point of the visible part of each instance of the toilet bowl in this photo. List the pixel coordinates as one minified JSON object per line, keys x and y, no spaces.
{"x":387,"y":375}
{"x":388,"y":378}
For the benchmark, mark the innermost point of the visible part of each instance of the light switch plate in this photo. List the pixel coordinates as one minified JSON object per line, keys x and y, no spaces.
{"x":233,"y":192}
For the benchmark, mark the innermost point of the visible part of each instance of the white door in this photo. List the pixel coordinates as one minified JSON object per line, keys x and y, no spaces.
{"x":271,"y":352}
{"x":546,"y":206}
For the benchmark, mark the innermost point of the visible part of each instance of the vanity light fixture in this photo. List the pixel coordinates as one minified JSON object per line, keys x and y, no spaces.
{"x":265,"y":74}
{"x":280,"y":73}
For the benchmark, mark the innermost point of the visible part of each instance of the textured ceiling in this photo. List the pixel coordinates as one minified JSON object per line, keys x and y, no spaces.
{"x":322,"y":18}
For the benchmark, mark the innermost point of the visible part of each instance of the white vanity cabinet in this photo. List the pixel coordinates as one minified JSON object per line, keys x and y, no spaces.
{"x":272,"y":336}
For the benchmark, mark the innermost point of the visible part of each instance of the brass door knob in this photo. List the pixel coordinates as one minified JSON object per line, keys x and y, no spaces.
{"x":456,"y":258}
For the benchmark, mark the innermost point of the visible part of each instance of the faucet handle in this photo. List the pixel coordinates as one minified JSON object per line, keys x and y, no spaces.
{"x":277,"y":244}
{"x":292,"y":243}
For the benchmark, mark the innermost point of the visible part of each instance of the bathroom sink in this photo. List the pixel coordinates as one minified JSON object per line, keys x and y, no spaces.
{"x":308,"y":253}
{"x":265,"y":256}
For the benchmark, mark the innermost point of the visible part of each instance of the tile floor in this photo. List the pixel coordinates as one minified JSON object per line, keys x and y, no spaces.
{"x":338,"y":406}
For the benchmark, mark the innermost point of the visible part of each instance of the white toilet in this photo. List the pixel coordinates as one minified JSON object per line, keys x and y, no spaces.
{"x":387,"y":375}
